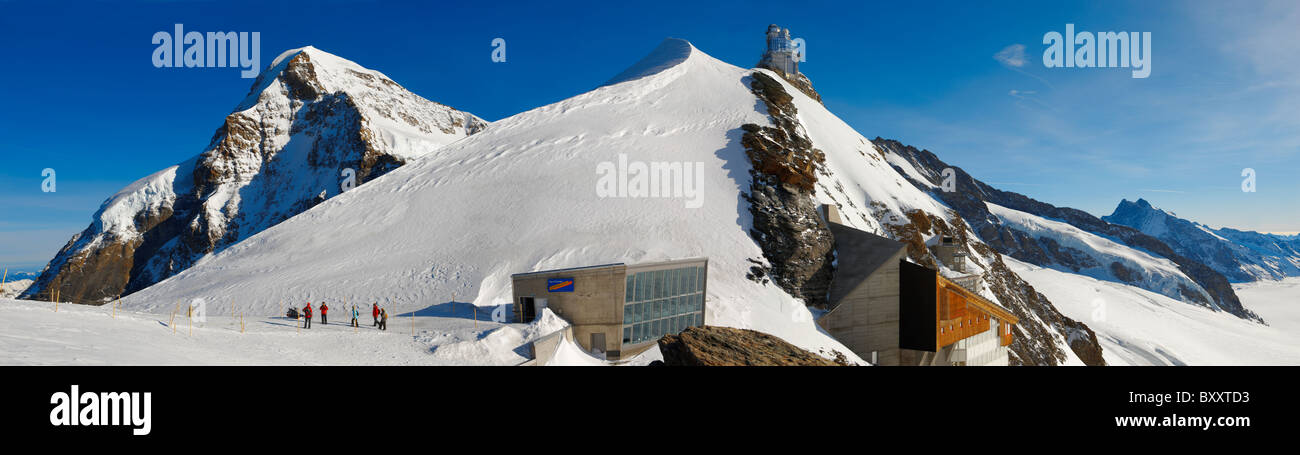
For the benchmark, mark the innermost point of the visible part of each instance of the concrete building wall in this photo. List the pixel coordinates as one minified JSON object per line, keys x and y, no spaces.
{"x":952,"y":256}
{"x":867,"y":318}
{"x":543,"y":349}
{"x":594,"y":306}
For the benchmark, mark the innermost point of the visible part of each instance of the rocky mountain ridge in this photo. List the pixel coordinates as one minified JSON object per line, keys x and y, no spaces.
{"x":312,"y":126}
{"x":971,"y":198}
{"x":1240,"y":256}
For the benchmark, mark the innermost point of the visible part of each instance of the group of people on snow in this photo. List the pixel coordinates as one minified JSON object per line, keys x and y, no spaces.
{"x":380,"y":315}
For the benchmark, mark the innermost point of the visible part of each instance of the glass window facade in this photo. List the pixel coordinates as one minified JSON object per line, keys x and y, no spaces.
{"x":662,"y":302}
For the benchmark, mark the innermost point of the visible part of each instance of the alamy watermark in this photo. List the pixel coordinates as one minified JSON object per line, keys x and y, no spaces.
{"x":499,"y":310}
{"x":198,"y":310}
{"x":658,"y":179}
{"x":498,"y":50}
{"x":1098,"y":310}
{"x":50,"y":182}
{"x":1099,"y":50}
{"x":949,"y":183}
{"x":77,"y":408}
{"x":799,"y":49}
{"x":213,"y":50}
{"x":349,"y":180}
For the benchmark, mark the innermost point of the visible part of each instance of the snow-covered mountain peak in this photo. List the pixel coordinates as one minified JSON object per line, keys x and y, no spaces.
{"x":312,"y":126}
{"x":327,"y":71}
{"x":1238,"y":255}
{"x":414,"y":125}
{"x":1142,"y":208}
{"x":1140,"y":214}
{"x":671,"y":52}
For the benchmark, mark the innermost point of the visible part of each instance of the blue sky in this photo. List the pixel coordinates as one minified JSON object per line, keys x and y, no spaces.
{"x":82,"y":97}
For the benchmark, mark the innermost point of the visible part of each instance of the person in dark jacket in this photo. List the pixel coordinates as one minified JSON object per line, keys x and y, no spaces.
{"x":383,"y":319}
{"x":374,"y":313}
{"x":324,"y":313}
{"x":354,"y":316}
{"x":306,"y":314}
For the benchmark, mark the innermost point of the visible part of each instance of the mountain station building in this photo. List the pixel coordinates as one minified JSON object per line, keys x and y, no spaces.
{"x":617,"y":310}
{"x":893,"y":312}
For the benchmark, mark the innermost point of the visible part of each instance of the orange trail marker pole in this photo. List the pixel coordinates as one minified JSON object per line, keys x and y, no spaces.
{"x":190,"y":316}
{"x":172,"y":322}
{"x":56,"y":300}
{"x":3,"y":280}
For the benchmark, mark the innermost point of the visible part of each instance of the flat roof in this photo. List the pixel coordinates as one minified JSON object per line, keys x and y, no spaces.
{"x":615,"y":264}
{"x":857,"y":254}
{"x":644,"y":265}
{"x":570,"y":269}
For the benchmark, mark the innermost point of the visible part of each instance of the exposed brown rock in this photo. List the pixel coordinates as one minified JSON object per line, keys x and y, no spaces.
{"x":1123,"y":273}
{"x":782,"y":151}
{"x":725,"y":346}
{"x":798,"y":80}
{"x":798,"y":246}
{"x":1033,"y":343}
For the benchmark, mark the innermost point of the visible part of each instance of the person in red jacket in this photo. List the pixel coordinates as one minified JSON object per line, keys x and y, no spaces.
{"x":306,"y":313}
{"x":324,"y":313}
{"x":374,"y":313}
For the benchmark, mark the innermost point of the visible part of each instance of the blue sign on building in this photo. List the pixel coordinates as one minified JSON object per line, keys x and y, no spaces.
{"x":559,"y":284}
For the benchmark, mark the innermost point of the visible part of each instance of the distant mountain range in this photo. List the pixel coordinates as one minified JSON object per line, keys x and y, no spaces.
{"x":1068,"y":239}
{"x":1239,"y":255}
{"x":16,"y":275}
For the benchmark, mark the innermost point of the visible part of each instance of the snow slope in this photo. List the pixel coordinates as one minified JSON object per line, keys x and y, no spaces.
{"x":1274,"y":300}
{"x":1140,"y":327}
{"x":521,"y":196}
{"x":33,"y":333}
{"x":568,"y":353}
{"x":14,"y":288}
{"x":1100,"y":254}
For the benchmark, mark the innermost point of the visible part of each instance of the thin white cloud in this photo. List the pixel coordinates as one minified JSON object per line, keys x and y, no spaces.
{"x":1013,"y":55}
{"x":1024,"y":96}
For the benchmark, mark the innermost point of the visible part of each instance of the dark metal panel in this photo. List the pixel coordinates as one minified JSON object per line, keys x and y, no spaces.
{"x":918,"y":316}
